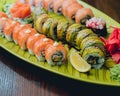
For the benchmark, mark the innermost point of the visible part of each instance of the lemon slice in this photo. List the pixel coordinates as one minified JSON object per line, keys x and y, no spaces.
{"x":78,"y":62}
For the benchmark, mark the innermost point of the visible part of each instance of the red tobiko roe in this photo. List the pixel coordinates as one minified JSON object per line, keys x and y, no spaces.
{"x":112,"y":44}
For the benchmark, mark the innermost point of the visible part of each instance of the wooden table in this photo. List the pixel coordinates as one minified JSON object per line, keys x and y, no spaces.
{"x":19,"y":78}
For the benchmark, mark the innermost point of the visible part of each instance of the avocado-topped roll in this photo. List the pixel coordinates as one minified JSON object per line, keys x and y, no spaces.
{"x":81,"y":35}
{"x":92,"y":40}
{"x":62,"y":29}
{"x":56,"y":54}
{"x":94,"y":56}
{"x":40,"y":21}
{"x":72,"y":32}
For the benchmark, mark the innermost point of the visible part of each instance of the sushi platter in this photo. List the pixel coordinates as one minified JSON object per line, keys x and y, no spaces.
{"x":51,"y":37}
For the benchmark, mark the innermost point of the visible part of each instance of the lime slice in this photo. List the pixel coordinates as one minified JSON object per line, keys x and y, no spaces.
{"x":78,"y":62}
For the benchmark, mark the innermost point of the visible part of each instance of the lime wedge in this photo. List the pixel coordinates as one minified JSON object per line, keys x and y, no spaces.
{"x":78,"y":62}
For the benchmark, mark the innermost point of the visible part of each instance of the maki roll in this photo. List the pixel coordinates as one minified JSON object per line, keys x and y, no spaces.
{"x":55,"y":54}
{"x":82,"y":15}
{"x":57,"y":6}
{"x":72,"y":32}
{"x":92,"y":40}
{"x":72,"y":9}
{"x":3,"y":20}
{"x":94,"y":56}
{"x":62,"y":29}
{"x":31,"y":41}
{"x":66,"y":4}
{"x":16,"y":31}
{"x":40,"y":21}
{"x":48,"y":5}
{"x":81,"y":35}
{"x":8,"y":29}
{"x":98,"y":26}
{"x":46,"y":26}
{"x":53,"y":27}
{"x":40,"y":47}
{"x":24,"y":35}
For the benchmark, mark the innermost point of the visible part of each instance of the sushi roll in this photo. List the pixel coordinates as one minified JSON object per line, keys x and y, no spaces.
{"x":48,"y":5}
{"x":31,"y":41}
{"x":82,"y":15}
{"x":8,"y":29}
{"x":72,"y":9}
{"x":2,"y":14}
{"x":53,"y":27}
{"x":24,"y":35}
{"x":57,"y":6}
{"x":92,"y":40}
{"x":72,"y":32}
{"x":62,"y":29}
{"x":98,"y":26}
{"x":94,"y":56}
{"x":16,"y":31}
{"x":3,"y":21}
{"x":66,"y":4}
{"x":40,"y":47}
{"x":81,"y":35}
{"x":55,"y":54}
{"x":40,"y":21}
{"x":46,"y":26}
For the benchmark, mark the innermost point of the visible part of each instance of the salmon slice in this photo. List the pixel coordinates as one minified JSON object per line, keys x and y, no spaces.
{"x":8,"y":29}
{"x":23,"y":35}
{"x":57,"y":6}
{"x":71,"y":10}
{"x":40,"y":46}
{"x":55,"y":54}
{"x":83,"y":14}
{"x":2,"y":14}
{"x":16,"y":31}
{"x":20,"y":10}
{"x":66,"y":4}
{"x":31,"y":41}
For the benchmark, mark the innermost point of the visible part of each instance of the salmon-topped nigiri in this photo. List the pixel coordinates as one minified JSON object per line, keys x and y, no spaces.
{"x":66,"y":4}
{"x":8,"y":29}
{"x":82,"y":15}
{"x":72,"y":9}
{"x":2,"y":14}
{"x":55,"y":54}
{"x":31,"y":41}
{"x":24,"y":35}
{"x":40,"y":47}
{"x":57,"y":6}
{"x":16,"y":31}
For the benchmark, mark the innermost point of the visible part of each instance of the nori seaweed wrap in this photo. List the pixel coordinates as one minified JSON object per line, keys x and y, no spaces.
{"x":72,"y":32}
{"x":94,"y":56}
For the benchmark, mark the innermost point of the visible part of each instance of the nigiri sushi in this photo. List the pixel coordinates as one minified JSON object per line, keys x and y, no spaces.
{"x":40,"y":47}
{"x":82,"y":15}
{"x":24,"y":35}
{"x":31,"y":41}
{"x":55,"y":54}
{"x":2,"y":14}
